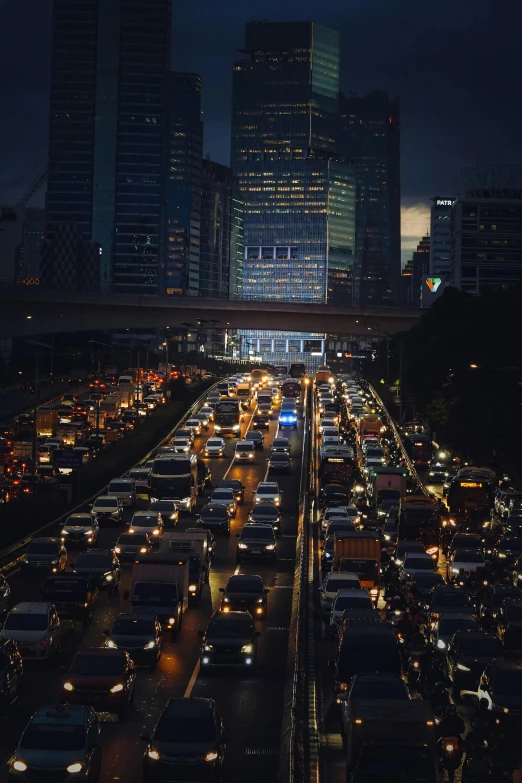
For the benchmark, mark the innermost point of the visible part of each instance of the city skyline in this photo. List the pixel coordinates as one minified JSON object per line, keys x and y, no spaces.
{"x":450,"y":116}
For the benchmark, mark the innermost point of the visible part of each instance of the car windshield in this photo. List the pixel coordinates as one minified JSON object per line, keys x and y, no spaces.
{"x":132,"y":538}
{"x":352,"y":602}
{"x":258,"y":532}
{"x":378,"y":688}
{"x":147,"y":520}
{"x":223,"y":494}
{"x":213,"y":442}
{"x":450,"y":625}
{"x":17,"y":621}
{"x":233,"y":627}
{"x":420,"y":563}
{"x":428,"y":580}
{"x":42,"y":548}
{"x":280,"y":442}
{"x":53,"y":736}
{"x":509,"y":683}
{"x":334,"y":584}
{"x":244,"y":584}
{"x":265,"y":490}
{"x":243,"y":447}
{"x":139,"y":474}
{"x":106,"y":503}
{"x":133,"y":626}
{"x":94,"y":560}
{"x":185,"y":729}
{"x":468,"y":557}
{"x":98,"y":664}
{"x":120,"y":486}
{"x":254,"y":436}
{"x":486,"y":646}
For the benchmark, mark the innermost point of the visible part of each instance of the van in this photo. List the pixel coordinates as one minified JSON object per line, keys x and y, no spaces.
{"x":124,"y":489}
{"x":348,"y":600}
{"x":125,"y":381}
{"x":366,"y":648}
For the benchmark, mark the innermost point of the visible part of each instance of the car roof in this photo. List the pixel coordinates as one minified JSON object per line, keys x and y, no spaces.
{"x":244,"y":577}
{"x":105,"y":652}
{"x":232,"y":482}
{"x":82,"y":515}
{"x":351,"y":593}
{"x":456,"y":616}
{"x":31,"y":607}
{"x":194,"y":707}
{"x":71,"y":714}
{"x":237,"y":614}
{"x":256,"y":526}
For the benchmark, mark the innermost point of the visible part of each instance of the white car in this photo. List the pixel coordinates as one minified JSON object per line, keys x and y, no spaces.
{"x":215,"y":447}
{"x":194,"y":425}
{"x":268,"y":492}
{"x":34,"y":626}
{"x":222,"y":496}
{"x":345,"y":513}
{"x":185,"y":432}
{"x":150,"y":522}
{"x":326,"y":423}
{"x":370,"y":442}
{"x":417,"y":563}
{"x":124,"y":489}
{"x":348,"y":600}
{"x":468,"y":560}
{"x":107,"y":508}
{"x":151,"y":401}
{"x":204,"y":419}
{"x":181,"y":445}
{"x":208,"y":411}
{"x":338,"y":580}
{"x":245,"y":451}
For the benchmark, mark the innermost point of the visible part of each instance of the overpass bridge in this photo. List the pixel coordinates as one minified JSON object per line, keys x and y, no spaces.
{"x":30,"y":311}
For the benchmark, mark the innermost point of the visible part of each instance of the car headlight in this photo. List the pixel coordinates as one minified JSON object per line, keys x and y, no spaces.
{"x":155,"y":532}
{"x":270,"y":546}
{"x":211,"y":756}
{"x":74,"y":768}
{"x":235,"y":427}
{"x":68,"y":686}
{"x":441,"y":644}
{"x":108,"y":577}
{"x":117,"y":688}
{"x":463,"y":668}
{"x":208,"y":647}
{"x":226,"y":600}
{"x":112,"y":644}
{"x":117,"y":550}
{"x":192,"y":588}
{"x":387,"y":537}
{"x":259,"y":600}
{"x":65,"y":532}
{"x":502,"y":554}
{"x":242,"y":546}
{"x":150,"y":645}
{"x":152,"y":753}
{"x":20,"y":766}
{"x":186,"y":500}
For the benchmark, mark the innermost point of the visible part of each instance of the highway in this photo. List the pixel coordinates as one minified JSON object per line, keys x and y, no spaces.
{"x":251,"y":707}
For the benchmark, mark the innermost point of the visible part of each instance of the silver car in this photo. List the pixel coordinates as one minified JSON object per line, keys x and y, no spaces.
{"x":215,"y":447}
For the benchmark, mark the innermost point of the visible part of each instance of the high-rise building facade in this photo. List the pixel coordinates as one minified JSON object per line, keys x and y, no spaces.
{"x":182,"y":211}
{"x":299,"y":194}
{"x":110,"y":62}
{"x":486,"y":229}
{"x":440,"y":236}
{"x":21,"y":237}
{"x":371,"y":141}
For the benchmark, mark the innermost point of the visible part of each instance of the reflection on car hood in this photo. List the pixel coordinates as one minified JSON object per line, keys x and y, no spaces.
{"x":184,"y":749}
{"x":50,"y":758}
{"x":227,"y":641}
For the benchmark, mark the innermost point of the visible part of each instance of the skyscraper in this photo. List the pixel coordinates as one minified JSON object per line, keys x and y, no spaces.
{"x":370,"y":140}
{"x":299,"y":193}
{"x":440,"y":231}
{"x":221,"y":265}
{"x":107,"y":124}
{"x":182,"y":211}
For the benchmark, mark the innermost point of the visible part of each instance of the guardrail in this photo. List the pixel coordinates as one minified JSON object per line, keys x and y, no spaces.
{"x":14,"y":553}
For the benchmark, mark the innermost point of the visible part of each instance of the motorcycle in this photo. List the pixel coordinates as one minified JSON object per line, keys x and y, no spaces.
{"x":451,"y":755}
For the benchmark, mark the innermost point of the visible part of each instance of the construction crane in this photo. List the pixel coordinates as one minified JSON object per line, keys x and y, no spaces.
{"x":33,"y":188}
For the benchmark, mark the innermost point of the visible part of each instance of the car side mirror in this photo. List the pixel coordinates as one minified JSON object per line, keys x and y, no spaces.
{"x":145,"y":737}
{"x":221,"y":589}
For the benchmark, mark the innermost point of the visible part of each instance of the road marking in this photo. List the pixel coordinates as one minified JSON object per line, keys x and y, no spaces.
{"x":192,"y":681}
{"x":283,"y":587}
{"x":233,"y":462}
{"x":238,"y":569}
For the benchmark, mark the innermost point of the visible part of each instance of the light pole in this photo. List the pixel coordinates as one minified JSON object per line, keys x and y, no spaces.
{"x":377,"y":328}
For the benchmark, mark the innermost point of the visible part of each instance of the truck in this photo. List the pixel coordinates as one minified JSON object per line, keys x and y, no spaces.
{"x":72,"y":434}
{"x":257,"y":377}
{"x":160,"y":585}
{"x":323,"y":374}
{"x":110,"y":370}
{"x":390,"y":737}
{"x":244,"y":390}
{"x":420,"y":520}
{"x":175,"y":477}
{"x":110,"y":405}
{"x":360,"y":552}
{"x":46,"y":421}
{"x":370,"y":425}
{"x":387,"y":483}
{"x":195,"y":545}
{"x":23,"y":443}
{"x":471,"y":494}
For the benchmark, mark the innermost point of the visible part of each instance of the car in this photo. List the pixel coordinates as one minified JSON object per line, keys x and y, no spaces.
{"x":245,"y":592}
{"x":101,"y":678}
{"x":280,"y":445}
{"x":245,"y":451}
{"x":225,"y":497}
{"x":333,"y":582}
{"x":333,"y":495}
{"x":124,"y":489}
{"x":328,"y":422}
{"x":415,"y":563}
{"x":279,"y":462}
{"x":497,"y":594}
{"x":447,"y":624}
{"x":512,"y":524}
{"x":437,"y":473}
{"x":508,"y":550}
{"x":139,"y":634}
{"x":261,"y":421}
{"x":45,"y":554}
{"x":149,"y":522}
{"x":351,"y":599}
{"x":168,"y":511}
{"x":235,"y":485}
{"x":468,"y":653}
{"x":60,"y":741}
{"x":204,"y":420}
{"x":256,"y":541}
{"x":329,"y":432}
{"x":464,"y":560}
{"x":11,"y":673}
{"x":339,"y":524}
{"x":230,"y":639}
{"x":186,"y":729}
{"x":501,"y":686}
{"x":268,"y":492}
{"x":367,"y":687}
{"x":194,"y":425}
{"x":268,"y":514}
{"x":74,"y":597}
{"x":107,"y":508}
{"x":141,"y":478}
{"x":181,"y":445}
{"x":256,"y":437}
{"x":34,"y":626}
{"x":214,"y":517}
{"x":509,"y":625}
{"x":390,"y":533}
{"x":348,"y":513}
{"x":464,"y":541}
{"x":327,"y":552}
{"x":185,"y":432}
{"x":207,"y":411}
{"x":405,"y":548}
{"x":424,"y":583}
{"x":130,"y":545}
{"x":80,"y":530}
{"x":447,"y":599}
{"x":102,"y":566}
{"x":215,"y":447}
{"x":151,"y":402}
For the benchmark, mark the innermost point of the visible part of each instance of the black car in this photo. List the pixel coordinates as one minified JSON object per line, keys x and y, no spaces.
{"x":280,"y":446}
{"x":236,"y":486}
{"x":279,"y":462}
{"x":168,"y":511}
{"x":266,"y":514}
{"x":45,"y":554}
{"x":509,"y":625}
{"x":11,"y":672}
{"x":257,"y":438}
{"x":73,"y":596}
{"x":261,"y":421}
{"x":189,"y":735}
{"x":468,"y":654}
{"x":258,"y":541}
{"x":512,"y":525}
{"x":501,"y":686}
{"x":139,"y":634}
{"x":245,"y":592}
{"x":333,"y":495}
{"x":424,"y":583}
{"x":229,"y":640}
{"x":507,"y":551}
{"x":102,"y":566}
{"x":214,"y":517}
{"x":494,"y":598}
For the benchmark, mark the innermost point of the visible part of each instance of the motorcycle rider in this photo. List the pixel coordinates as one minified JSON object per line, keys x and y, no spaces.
{"x":451,"y":724}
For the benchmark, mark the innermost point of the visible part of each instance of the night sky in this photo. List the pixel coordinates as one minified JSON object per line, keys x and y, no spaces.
{"x":456,"y":65}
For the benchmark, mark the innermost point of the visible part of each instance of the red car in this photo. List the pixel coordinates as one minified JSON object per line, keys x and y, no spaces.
{"x":102,"y":678}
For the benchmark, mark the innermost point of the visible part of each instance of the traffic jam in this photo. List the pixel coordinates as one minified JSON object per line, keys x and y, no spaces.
{"x":149,"y":638}
{"x":419,"y":564}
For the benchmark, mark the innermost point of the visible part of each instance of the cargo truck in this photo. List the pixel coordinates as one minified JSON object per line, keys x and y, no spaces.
{"x":391,"y":739}
{"x":420,"y":520}
{"x":195,"y":545}
{"x":323,"y":374}
{"x":370,"y":425}
{"x":160,"y":582}
{"x":71,"y":434}
{"x":387,"y":483}
{"x":359,"y":552}
{"x":46,"y":422}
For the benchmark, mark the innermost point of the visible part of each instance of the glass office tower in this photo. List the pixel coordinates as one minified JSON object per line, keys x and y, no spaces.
{"x":110,"y":62}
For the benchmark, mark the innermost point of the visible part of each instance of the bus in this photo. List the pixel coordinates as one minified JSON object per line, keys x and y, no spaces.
{"x":472,"y":493}
{"x":419,"y":449}
{"x":227,"y":417}
{"x":175,"y":477}
{"x":280,"y":369}
{"x":419,"y":520}
{"x":337,"y":467}
{"x":257,"y":377}
{"x":291,"y":389}
{"x":297,"y":370}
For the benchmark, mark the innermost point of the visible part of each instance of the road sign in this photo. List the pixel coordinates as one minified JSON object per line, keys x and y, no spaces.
{"x":67,"y":458}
